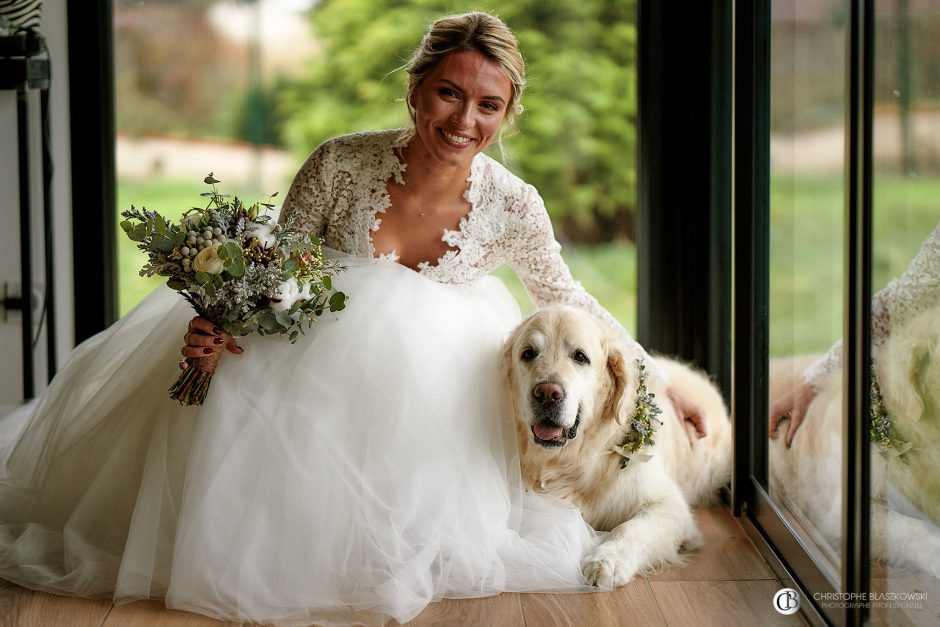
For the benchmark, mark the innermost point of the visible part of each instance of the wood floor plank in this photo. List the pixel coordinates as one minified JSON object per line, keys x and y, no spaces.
{"x":633,"y":604}
{"x":726,"y":554}
{"x":726,"y":603}
{"x":907,"y":599}
{"x":150,"y":613}
{"x":503,"y":609}
{"x":20,"y":607}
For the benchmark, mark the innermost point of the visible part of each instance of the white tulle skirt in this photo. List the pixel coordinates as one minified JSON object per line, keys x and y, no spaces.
{"x":356,"y":475}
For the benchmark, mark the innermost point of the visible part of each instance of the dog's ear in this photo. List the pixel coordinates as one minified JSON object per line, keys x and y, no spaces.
{"x":620,"y":397}
{"x":507,"y":372}
{"x":905,"y":387}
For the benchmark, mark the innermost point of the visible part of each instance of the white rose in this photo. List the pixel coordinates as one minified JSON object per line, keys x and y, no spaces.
{"x":262,"y":233}
{"x":208,"y":261}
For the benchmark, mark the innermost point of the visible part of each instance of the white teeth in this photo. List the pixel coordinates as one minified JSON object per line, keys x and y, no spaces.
{"x":456,"y":139}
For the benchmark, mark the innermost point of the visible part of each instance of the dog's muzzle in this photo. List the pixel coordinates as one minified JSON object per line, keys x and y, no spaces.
{"x":548,"y":400}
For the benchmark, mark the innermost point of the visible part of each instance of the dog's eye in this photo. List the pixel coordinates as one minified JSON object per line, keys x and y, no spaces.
{"x":528,"y":354}
{"x":581,"y":357}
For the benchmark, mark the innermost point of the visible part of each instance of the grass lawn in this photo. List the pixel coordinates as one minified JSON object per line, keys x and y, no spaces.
{"x":806,"y":261}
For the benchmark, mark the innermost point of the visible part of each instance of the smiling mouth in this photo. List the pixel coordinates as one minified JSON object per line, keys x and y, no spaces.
{"x":455,"y":140}
{"x":550,"y":435}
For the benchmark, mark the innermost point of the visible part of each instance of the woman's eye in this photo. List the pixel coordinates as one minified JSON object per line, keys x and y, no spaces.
{"x":528,"y":354}
{"x":581,"y":357}
{"x":491,"y":106}
{"x":448,"y":93}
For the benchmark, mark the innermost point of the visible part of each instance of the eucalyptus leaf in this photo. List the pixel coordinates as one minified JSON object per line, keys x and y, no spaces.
{"x":284,"y":319}
{"x":138,"y":233}
{"x":127,"y":225}
{"x":290,"y":266}
{"x":210,"y":180}
{"x":162,"y":243}
{"x":202,"y":278}
{"x":327,"y":282}
{"x":267,"y":321}
{"x":237,"y":269}
{"x":175,"y":283}
{"x":337,"y":301}
{"x":233,"y":250}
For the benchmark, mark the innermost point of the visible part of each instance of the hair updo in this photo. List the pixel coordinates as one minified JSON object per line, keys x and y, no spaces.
{"x":485,"y":33}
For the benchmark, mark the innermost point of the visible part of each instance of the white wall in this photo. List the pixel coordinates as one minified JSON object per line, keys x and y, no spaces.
{"x":54,"y":29}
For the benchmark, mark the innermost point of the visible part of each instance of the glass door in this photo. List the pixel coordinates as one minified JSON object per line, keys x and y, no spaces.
{"x":905,"y":428}
{"x":807,"y":164}
{"x":838,"y":302}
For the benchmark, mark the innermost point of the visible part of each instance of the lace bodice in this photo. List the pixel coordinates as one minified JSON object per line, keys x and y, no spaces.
{"x":339,"y":195}
{"x":894,"y":305}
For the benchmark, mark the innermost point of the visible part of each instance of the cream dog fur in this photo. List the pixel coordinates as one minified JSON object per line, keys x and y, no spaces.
{"x":905,"y":506}
{"x":573,"y":388}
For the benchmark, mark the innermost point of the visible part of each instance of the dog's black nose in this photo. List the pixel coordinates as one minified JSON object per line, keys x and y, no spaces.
{"x":548,"y":392}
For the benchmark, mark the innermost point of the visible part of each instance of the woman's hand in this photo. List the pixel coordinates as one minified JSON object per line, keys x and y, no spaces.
{"x":792,"y":406}
{"x":687,"y":410}
{"x":204,"y":338}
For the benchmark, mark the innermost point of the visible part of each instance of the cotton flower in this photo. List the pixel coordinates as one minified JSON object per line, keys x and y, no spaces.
{"x":208,"y":261}
{"x":262,"y":233}
{"x":289,"y":293}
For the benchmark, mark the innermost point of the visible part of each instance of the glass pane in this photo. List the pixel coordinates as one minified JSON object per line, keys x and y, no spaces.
{"x":248,"y":89}
{"x":906,"y":315}
{"x":806,"y":265}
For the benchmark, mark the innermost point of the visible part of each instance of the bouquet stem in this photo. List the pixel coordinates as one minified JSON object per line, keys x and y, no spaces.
{"x":193,"y":384}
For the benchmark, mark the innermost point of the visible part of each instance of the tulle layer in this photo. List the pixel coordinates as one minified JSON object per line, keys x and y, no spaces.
{"x":358,"y":474}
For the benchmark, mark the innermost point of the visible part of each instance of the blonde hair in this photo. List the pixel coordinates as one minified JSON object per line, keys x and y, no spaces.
{"x":485,"y":33}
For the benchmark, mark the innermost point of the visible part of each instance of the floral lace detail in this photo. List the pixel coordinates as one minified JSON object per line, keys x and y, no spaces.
{"x":339,"y":195}
{"x":894,"y":305}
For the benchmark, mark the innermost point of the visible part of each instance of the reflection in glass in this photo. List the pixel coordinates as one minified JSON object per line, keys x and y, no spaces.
{"x":906,"y":313}
{"x":806,"y":265}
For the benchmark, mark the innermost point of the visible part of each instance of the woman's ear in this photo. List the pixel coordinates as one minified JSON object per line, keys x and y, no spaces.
{"x":411,"y":93}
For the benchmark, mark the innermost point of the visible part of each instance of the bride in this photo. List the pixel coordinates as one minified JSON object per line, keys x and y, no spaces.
{"x":360,"y":473}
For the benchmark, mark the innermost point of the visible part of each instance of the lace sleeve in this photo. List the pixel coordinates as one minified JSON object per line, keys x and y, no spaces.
{"x":894,"y":305}
{"x":538,"y":262}
{"x":310,"y":197}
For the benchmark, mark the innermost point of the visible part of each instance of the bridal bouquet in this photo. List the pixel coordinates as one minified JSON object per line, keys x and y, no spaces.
{"x":238,"y":270}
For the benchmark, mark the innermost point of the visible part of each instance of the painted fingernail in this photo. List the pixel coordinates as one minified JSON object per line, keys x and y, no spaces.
{"x":216,"y":330}
{"x":217,"y":340}
{"x":208,"y":351}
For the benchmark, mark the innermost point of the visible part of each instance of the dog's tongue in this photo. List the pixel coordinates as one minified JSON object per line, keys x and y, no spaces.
{"x":545,"y":430}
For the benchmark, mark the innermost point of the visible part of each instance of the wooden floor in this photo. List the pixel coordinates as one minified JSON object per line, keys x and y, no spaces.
{"x":725,"y":583}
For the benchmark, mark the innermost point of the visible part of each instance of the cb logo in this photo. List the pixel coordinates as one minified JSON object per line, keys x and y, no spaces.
{"x":787,"y":601}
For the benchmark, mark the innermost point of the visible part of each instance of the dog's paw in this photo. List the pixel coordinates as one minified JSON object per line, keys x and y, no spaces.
{"x":608,"y":568}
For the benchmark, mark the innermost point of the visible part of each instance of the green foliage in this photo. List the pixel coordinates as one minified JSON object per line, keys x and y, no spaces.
{"x":577,"y":139}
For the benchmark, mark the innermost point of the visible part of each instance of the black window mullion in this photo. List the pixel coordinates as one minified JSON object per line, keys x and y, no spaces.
{"x":751,"y":245}
{"x":91,"y":107}
{"x":857,"y":324}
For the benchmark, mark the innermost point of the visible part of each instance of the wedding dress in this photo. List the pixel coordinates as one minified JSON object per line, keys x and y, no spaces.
{"x":358,"y":474}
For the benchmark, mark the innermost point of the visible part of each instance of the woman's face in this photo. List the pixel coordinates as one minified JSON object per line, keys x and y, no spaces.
{"x":459,"y":107}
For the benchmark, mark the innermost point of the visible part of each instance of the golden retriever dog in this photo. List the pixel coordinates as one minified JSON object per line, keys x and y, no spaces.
{"x":574,"y":388}
{"x":905,"y":477}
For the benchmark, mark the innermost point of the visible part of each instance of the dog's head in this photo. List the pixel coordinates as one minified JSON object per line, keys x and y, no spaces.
{"x":566,"y":375}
